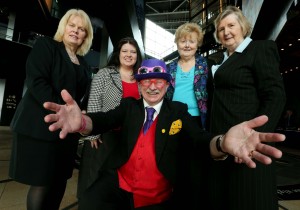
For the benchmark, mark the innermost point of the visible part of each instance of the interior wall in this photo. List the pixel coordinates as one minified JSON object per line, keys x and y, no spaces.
{"x":2,"y":88}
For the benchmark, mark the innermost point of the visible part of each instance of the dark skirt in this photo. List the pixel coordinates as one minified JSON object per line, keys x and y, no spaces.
{"x":39,"y":163}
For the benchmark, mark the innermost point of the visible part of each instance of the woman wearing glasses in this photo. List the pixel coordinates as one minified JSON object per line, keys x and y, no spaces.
{"x":109,"y":86}
{"x":188,"y":85}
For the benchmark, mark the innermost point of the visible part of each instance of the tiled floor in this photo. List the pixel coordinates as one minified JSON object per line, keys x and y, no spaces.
{"x":288,"y":173}
{"x":13,"y":194}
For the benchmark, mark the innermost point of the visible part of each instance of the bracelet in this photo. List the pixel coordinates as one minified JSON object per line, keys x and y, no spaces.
{"x":83,"y":124}
{"x":218,"y":144}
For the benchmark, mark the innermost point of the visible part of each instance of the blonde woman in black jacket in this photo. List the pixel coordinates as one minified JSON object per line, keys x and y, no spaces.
{"x":39,"y":158}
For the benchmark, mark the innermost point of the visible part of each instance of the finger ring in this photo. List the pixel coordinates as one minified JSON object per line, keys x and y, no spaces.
{"x":250,"y":155}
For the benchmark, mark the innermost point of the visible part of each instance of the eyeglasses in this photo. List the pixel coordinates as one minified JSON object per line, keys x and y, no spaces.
{"x":157,"y":82}
{"x":155,"y":69}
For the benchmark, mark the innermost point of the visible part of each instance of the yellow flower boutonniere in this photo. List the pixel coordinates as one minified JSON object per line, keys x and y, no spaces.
{"x":175,"y":127}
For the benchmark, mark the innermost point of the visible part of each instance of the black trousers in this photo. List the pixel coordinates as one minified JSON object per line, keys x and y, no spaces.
{"x":192,"y":182}
{"x":105,"y":194}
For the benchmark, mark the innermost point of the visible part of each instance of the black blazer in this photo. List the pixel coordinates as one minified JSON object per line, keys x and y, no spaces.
{"x":48,"y":71}
{"x":246,"y":85}
{"x":130,"y":116}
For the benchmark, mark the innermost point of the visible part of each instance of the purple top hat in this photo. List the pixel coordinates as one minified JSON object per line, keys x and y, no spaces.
{"x":152,"y":68}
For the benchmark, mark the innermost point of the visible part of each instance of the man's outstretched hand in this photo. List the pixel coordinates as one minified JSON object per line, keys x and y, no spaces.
{"x":247,"y":144}
{"x":67,"y":117}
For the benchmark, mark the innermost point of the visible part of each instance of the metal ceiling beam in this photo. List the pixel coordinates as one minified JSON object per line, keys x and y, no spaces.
{"x":167,"y":13}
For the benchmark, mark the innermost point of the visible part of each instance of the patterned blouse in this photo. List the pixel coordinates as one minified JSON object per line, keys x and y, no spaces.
{"x":200,"y":81}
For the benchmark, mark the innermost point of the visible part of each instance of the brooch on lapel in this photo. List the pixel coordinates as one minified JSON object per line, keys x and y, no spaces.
{"x":175,"y":127}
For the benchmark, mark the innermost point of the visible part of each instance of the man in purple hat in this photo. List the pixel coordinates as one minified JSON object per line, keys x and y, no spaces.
{"x":142,"y":173}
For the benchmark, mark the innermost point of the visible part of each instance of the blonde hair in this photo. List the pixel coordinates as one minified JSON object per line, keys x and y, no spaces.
{"x":242,"y":20}
{"x":87,"y":43}
{"x":187,"y":28}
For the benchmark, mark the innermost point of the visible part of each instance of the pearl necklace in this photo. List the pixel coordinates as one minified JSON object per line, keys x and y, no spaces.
{"x":73,"y":58}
